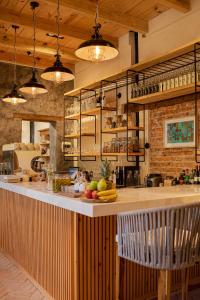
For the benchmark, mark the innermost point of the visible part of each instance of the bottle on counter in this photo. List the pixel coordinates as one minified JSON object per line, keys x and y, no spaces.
{"x":187,"y":177}
{"x":181,"y":177}
{"x":196,"y":175}
{"x":192,"y":176}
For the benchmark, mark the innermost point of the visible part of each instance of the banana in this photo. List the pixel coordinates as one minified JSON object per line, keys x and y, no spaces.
{"x":110,"y":197}
{"x":106,"y":193}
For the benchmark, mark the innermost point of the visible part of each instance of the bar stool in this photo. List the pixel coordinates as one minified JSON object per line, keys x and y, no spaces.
{"x":166,"y":239}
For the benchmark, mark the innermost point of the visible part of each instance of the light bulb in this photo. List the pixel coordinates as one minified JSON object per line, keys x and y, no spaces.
{"x":58,"y":76}
{"x":96,"y":53}
{"x":14,"y":101}
{"x":34,"y":90}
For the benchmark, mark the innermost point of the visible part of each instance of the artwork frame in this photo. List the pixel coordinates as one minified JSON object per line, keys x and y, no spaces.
{"x":185,"y":137}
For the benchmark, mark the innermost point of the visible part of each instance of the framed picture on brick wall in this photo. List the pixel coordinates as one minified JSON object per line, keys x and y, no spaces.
{"x":179,"y":132}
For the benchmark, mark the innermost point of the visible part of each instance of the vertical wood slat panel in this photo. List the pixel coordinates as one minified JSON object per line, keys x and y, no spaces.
{"x":40,"y":238}
{"x":97,"y":264}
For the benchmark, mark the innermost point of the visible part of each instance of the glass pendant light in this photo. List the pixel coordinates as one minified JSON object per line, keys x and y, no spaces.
{"x":14,"y":97}
{"x":96,"y":49}
{"x":33,"y":87}
{"x":58,"y":73}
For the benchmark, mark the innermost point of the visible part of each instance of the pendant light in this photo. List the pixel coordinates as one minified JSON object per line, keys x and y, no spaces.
{"x":58,"y":73}
{"x":33,"y":87}
{"x":96,"y":49}
{"x":14,"y":97}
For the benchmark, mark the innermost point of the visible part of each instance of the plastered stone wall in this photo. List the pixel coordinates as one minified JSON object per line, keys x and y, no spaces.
{"x":49,"y":104}
{"x":169,"y":161}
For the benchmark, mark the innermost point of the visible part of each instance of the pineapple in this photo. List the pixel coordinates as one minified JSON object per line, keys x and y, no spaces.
{"x":105,"y":169}
{"x":106,"y":172}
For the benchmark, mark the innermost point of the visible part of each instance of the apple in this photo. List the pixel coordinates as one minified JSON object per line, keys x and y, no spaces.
{"x":94,"y":195}
{"x":93,"y":185}
{"x":88,"y":194}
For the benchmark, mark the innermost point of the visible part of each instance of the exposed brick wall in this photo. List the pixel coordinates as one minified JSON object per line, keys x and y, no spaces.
{"x":169,"y":161}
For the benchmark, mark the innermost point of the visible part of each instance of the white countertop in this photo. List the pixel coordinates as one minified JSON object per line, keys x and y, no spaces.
{"x":128,"y":198}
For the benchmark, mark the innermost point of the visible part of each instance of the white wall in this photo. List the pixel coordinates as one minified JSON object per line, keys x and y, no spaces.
{"x":39,"y":126}
{"x":25,"y":132}
{"x":170,"y":30}
{"x":87,"y":73}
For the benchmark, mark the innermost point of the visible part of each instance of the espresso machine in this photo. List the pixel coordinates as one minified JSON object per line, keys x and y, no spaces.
{"x":127,"y":176}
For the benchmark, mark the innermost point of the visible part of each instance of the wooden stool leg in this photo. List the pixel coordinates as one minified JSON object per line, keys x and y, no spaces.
{"x":164,"y":285}
{"x":184,"y":284}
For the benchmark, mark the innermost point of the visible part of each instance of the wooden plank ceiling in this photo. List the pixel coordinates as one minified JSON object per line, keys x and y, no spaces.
{"x":77,"y":19}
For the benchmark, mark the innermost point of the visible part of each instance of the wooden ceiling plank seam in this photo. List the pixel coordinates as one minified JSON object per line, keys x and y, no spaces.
{"x":42,"y":48}
{"x":10,"y":17}
{"x":88,"y":8}
{"x":25,"y":60}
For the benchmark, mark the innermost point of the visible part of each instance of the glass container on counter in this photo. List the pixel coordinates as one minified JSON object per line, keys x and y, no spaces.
{"x":60,"y":180}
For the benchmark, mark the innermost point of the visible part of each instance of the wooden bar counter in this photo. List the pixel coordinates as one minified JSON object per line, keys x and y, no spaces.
{"x":69,"y":247}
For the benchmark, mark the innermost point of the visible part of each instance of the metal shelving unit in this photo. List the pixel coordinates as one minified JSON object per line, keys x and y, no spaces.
{"x":188,"y":57}
{"x":82,"y":134}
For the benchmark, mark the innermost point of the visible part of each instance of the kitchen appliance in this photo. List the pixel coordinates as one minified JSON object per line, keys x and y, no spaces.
{"x":127,"y":176}
{"x":154,"y":180}
{"x":29,"y":160}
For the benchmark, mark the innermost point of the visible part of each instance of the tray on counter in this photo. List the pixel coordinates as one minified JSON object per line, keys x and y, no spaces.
{"x":97,"y":200}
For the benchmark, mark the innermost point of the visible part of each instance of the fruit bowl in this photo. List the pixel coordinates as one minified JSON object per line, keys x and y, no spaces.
{"x":100,"y":192}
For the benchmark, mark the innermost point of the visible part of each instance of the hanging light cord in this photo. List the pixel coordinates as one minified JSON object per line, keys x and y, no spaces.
{"x":97,"y":13}
{"x":58,"y":27}
{"x":34,"y":34}
{"x":15,"y":33}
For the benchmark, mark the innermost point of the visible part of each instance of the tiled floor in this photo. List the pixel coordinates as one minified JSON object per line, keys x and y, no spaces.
{"x":15,"y":284}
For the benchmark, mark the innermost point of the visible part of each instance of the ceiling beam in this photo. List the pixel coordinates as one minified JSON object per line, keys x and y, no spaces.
{"x":88,"y":8}
{"x":10,"y":17}
{"x":180,"y":5}
{"x":25,"y":60}
{"x":41,"y":48}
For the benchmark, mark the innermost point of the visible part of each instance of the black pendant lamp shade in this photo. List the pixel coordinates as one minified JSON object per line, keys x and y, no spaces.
{"x":96,"y":49}
{"x":33,"y":87}
{"x":14,"y":97}
{"x":57,"y":73}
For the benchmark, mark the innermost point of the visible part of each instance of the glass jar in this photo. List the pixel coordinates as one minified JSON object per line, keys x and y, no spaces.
{"x":60,"y":180}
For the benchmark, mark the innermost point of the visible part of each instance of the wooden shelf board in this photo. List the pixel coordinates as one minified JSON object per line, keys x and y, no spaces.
{"x":121,"y":129}
{"x":169,"y":94}
{"x":76,"y":136}
{"x":45,"y":143}
{"x":82,"y":155}
{"x":123,"y":154}
{"x":73,"y":117}
{"x":94,"y":111}
{"x":71,"y":155}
